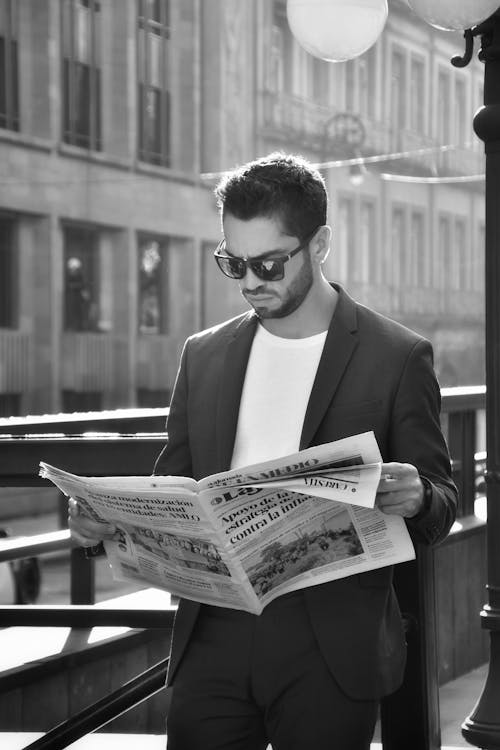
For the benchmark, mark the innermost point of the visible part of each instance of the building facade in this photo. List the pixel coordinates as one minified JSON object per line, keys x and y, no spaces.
{"x":116,"y":116}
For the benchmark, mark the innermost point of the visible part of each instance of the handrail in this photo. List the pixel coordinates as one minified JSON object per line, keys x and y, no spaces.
{"x":153,"y":420}
{"x":85,"y":615}
{"x":104,"y":710}
{"x":117,"y":420}
{"x":125,"y":454}
{"x":460,"y":398}
{"x":36,"y":544}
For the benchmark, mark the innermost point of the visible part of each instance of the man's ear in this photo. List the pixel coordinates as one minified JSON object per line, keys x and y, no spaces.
{"x":320,"y":245}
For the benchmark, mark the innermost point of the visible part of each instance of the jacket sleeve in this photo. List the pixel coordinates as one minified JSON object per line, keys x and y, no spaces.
{"x":175,"y":457}
{"x":416,"y":437}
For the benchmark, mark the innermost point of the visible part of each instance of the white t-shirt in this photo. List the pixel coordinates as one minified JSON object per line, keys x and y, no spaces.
{"x":278,"y":382}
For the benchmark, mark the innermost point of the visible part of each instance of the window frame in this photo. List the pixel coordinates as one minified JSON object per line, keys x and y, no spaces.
{"x":90,"y":261}
{"x":161,"y":154}
{"x":9,"y":81}
{"x":77,"y":130}
{"x":9,"y":282}
{"x":161,"y":283}
{"x":418,"y":266}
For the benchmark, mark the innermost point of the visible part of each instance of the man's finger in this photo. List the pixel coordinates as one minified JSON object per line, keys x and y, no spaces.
{"x":396,"y":506}
{"x":81,"y":541}
{"x":396,"y":476}
{"x":391,"y":482}
{"x":87,"y":529}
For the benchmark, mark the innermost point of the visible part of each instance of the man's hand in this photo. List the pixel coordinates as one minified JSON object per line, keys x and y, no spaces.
{"x":400,"y":491}
{"x":84,"y":531}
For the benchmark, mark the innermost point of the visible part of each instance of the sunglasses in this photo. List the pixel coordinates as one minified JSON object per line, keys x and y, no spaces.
{"x":266,"y":269}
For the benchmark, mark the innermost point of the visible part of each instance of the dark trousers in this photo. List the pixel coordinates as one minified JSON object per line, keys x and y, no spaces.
{"x":247,"y":681}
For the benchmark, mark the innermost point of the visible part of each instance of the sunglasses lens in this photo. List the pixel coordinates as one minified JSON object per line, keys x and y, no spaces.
{"x":232,"y":267}
{"x":268,"y":270}
{"x":271,"y":269}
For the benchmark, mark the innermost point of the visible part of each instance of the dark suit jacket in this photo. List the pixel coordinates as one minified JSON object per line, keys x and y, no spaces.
{"x":374,"y":374}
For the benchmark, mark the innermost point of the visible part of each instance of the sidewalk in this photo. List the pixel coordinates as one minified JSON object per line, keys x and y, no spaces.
{"x":457,"y":700}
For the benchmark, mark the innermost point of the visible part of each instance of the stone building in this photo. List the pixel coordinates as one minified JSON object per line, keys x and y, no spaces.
{"x":116,"y":116}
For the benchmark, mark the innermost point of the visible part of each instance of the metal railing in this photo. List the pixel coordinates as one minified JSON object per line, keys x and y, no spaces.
{"x":105,"y":710}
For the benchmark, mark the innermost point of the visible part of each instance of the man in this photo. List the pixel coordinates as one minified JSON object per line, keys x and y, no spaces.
{"x":307,"y":365}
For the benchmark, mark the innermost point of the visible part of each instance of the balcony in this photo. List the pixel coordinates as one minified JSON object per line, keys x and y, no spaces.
{"x":285,"y":117}
{"x":294,"y":119}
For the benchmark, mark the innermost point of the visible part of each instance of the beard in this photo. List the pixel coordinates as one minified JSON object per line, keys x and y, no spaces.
{"x":290,"y":299}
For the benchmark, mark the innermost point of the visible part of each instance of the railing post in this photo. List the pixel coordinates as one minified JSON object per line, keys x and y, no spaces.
{"x":62,"y":510}
{"x":410,"y":716}
{"x":462,"y":445}
{"x":82,"y":587}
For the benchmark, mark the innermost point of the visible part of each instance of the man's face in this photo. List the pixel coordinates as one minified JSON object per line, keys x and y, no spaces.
{"x":263,"y":238}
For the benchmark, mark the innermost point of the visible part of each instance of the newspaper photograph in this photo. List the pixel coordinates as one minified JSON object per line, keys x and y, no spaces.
{"x":286,"y":540}
{"x":241,"y":538}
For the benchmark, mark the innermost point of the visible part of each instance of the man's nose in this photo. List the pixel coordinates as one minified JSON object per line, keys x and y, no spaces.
{"x":250,"y":280}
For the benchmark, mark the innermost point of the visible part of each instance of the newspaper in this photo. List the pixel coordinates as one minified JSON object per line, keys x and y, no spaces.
{"x":243,"y":537}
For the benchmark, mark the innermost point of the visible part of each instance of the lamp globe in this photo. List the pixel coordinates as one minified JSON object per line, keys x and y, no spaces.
{"x":336,"y":30}
{"x":454,"y":15}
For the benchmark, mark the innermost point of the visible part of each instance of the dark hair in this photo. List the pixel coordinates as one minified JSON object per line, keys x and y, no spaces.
{"x":279,"y":185}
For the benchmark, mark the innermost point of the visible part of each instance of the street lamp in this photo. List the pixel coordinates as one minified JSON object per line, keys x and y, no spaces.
{"x":339,"y":30}
{"x":453,"y":15}
{"x":317,"y":28}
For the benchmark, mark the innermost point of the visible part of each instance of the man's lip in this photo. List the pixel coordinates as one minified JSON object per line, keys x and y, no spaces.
{"x":258,"y":297}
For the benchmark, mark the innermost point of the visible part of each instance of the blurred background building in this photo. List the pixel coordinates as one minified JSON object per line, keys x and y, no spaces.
{"x":116,"y":116}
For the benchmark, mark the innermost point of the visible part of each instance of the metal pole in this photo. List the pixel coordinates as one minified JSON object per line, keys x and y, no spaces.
{"x":482,"y":727}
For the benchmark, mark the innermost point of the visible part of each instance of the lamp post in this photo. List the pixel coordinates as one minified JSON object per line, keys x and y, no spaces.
{"x":482,"y":727}
{"x":328,"y":29}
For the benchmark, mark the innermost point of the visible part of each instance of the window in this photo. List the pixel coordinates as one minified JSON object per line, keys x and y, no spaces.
{"x":319,"y":70}
{"x":281,"y":59}
{"x":81,"y":73}
{"x":275,"y":73}
{"x":400,"y":273}
{"x":10,"y":404}
{"x":360,"y":81}
{"x":9,"y":287}
{"x":443,"y":107}
{"x":81,"y":279}
{"x":153,"y":286}
{"x":9,"y":85}
{"x":81,"y":401}
{"x":444,"y":261}
{"x":479,"y":257}
{"x":417,"y":95}
{"x":398,"y":89}
{"x":367,"y":67}
{"x":154,"y":78}
{"x":364,"y":267}
{"x":350,"y":77}
{"x":462,"y":277}
{"x":345,"y":236}
{"x":460,"y":120}
{"x":150,"y":398}
{"x":416,"y":267}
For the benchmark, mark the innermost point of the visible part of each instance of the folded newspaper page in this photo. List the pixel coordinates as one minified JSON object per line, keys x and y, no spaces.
{"x":243,"y":537}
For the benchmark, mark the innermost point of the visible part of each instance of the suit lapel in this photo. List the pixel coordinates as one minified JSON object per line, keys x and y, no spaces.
{"x":341,"y":341}
{"x":231,"y":386}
